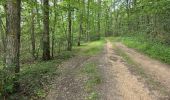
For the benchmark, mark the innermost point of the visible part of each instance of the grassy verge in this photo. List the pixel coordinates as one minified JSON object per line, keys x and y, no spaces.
{"x":137,"y":70}
{"x":34,"y":78}
{"x":90,"y":49}
{"x":94,"y":79}
{"x":152,"y":48}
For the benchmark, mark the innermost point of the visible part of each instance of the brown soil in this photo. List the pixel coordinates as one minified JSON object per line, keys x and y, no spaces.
{"x":158,"y":70}
{"x":119,"y":83}
{"x":69,"y":86}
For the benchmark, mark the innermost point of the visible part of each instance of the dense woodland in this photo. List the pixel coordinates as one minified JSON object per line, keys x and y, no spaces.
{"x":42,"y":30}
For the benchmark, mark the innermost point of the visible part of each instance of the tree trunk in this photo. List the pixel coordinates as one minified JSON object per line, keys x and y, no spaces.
{"x":13,"y":39}
{"x":54,"y":29}
{"x":2,"y":31}
{"x":33,"y":34}
{"x":46,"y":38}
{"x":81,"y":31}
{"x":81,"y":24}
{"x":99,"y":15}
{"x":88,"y":20}
{"x":128,"y":14}
{"x":69,"y":29}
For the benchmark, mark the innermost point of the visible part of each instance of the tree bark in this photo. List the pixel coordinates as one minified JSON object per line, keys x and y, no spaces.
{"x":98,"y":15}
{"x":13,"y":31}
{"x":54,"y":29}
{"x":46,"y":37}
{"x":33,"y":34}
{"x":88,"y":20}
{"x":69,"y":28}
{"x":81,"y":23}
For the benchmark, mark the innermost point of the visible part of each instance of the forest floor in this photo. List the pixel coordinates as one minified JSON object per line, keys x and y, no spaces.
{"x":116,"y":73}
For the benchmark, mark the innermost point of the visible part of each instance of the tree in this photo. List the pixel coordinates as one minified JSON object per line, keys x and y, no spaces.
{"x":46,"y":37}
{"x":99,"y":18}
{"x":13,"y":31}
{"x":54,"y":29}
{"x":69,"y":27}
{"x":33,"y":34}
{"x":81,"y":9}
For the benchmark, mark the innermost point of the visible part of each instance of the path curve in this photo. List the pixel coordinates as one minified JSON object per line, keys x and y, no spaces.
{"x":119,"y":83}
{"x":158,"y":70}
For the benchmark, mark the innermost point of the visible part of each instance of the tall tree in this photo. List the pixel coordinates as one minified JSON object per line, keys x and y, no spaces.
{"x":46,"y":37}
{"x":88,"y":20}
{"x":54,"y":29}
{"x":99,"y":18}
{"x":33,"y":34}
{"x":69,"y":27}
{"x":81,"y":3}
{"x":13,"y":38}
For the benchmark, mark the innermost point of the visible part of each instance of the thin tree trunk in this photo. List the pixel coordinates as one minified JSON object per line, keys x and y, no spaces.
{"x":80,"y":33}
{"x":98,"y":15}
{"x":33,"y":34}
{"x":88,"y":20}
{"x":128,"y":14}
{"x":2,"y":31}
{"x":81,"y":24}
{"x":69,"y":29}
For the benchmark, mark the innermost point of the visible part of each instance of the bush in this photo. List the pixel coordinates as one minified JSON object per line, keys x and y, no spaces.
{"x":6,"y":83}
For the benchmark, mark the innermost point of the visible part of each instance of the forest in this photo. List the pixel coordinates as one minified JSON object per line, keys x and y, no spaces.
{"x":84,"y":49}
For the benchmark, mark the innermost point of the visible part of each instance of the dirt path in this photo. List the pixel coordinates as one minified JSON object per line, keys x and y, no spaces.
{"x":158,"y":70}
{"x":119,"y":83}
{"x":69,"y":86}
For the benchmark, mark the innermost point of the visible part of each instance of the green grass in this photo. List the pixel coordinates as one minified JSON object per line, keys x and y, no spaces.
{"x":154,"y":49}
{"x":34,"y":78}
{"x":136,"y":69}
{"x":94,"y":78}
{"x":90,"y":69}
{"x":90,"y":49}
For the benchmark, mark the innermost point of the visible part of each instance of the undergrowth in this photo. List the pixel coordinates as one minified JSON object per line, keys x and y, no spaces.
{"x":154,"y":49}
{"x":90,"y":49}
{"x":34,"y":78}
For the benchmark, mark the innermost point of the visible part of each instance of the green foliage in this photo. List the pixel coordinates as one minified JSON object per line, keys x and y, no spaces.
{"x":154,"y":49}
{"x":40,"y":93}
{"x":6,"y":82}
{"x":36,"y":76}
{"x":93,"y":96}
{"x":147,"y":17}
{"x":33,"y":78}
{"x":65,"y":55}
